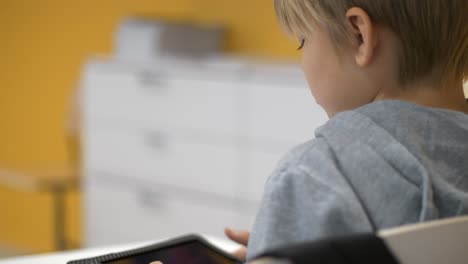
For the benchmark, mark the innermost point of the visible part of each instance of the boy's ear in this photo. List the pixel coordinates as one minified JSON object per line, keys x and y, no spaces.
{"x":365,"y":39}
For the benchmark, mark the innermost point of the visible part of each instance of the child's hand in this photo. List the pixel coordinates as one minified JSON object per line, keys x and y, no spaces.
{"x":241,"y":237}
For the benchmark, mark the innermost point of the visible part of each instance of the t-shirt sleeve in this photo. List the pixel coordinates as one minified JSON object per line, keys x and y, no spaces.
{"x":306,"y":198}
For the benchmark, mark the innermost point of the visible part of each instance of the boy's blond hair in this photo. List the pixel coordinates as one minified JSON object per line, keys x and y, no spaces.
{"x":433,"y":33}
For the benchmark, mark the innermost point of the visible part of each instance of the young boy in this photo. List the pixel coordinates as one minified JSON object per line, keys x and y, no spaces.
{"x":389,"y":73}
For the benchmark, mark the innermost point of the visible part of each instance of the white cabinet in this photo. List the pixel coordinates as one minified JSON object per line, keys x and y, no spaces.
{"x":183,"y":147}
{"x":282,"y":113}
{"x":259,"y":166}
{"x":121,"y":214}
{"x":163,"y":157}
{"x":180,"y":100}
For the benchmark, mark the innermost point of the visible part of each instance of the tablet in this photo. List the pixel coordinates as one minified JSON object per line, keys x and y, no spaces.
{"x":190,"y":249}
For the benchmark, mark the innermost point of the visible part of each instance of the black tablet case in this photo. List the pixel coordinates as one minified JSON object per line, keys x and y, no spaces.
{"x":157,"y":246}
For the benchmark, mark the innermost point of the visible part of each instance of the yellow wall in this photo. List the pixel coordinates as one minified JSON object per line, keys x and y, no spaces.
{"x":42,"y":47}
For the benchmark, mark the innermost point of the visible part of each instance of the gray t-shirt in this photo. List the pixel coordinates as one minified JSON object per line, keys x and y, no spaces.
{"x":383,"y":165}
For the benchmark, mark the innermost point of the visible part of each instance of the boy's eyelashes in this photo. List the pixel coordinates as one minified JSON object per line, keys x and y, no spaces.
{"x":302,"y":44}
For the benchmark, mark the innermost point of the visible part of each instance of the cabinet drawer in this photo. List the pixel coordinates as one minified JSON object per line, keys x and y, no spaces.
{"x":163,"y":157}
{"x":121,"y":215}
{"x":283,"y":113}
{"x":152,"y":96}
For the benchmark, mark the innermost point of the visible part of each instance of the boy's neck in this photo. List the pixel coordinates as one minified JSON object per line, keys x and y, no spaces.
{"x":449,"y":97}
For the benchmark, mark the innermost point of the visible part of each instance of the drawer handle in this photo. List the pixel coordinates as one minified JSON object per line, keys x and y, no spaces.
{"x":156,"y":140}
{"x":152,"y":81}
{"x":151,"y":199}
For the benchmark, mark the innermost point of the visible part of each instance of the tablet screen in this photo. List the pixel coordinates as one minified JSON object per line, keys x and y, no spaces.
{"x":193,"y":252}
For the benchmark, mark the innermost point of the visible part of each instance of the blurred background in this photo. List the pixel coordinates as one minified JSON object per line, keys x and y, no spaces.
{"x":58,"y":127}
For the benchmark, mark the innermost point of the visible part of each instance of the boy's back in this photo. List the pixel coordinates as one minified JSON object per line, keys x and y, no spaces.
{"x":382,"y":165}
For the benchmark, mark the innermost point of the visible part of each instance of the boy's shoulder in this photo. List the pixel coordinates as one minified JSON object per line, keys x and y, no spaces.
{"x":314,"y":157}
{"x":381,"y":122}
{"x":384,"y":129}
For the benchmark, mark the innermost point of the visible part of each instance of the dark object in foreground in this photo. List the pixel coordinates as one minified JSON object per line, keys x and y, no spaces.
{"x":355,"y":249}
{"x":190,"y":249}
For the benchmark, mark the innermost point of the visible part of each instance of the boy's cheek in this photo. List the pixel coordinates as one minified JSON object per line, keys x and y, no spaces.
{"x":323,"y":77}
